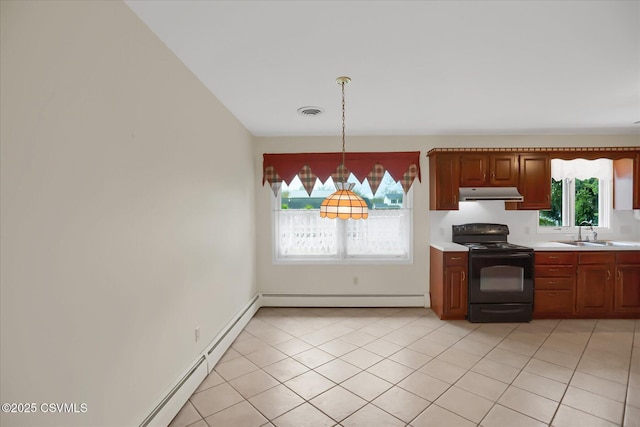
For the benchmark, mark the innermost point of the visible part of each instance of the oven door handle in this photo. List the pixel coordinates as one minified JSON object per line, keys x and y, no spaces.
{"x":503,"y":255}
{"x":513,"y":310}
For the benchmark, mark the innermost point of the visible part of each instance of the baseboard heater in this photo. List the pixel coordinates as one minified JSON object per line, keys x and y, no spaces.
{"x":161,"y":415}
{"x":342,"y":300}
{"x":178,"y":395}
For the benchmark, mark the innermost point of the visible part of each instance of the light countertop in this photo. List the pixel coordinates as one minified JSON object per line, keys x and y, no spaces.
{"x":546,"y":246}
{"x":445,"y":246}
{"x":557,"y":246}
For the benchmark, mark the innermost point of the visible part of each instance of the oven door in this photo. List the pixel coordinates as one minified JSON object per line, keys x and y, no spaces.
{"x":501,"y":277}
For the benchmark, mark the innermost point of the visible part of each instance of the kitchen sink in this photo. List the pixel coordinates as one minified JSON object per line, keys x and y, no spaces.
{"x":592,"y":243}
{"x":574,"y":243}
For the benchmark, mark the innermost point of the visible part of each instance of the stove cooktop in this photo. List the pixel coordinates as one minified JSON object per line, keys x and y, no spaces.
{"x":495,"y":246}
{"x":485,"y":237}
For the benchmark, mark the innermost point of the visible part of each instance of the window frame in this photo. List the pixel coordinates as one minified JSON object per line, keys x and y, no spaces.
{"x":341,"y":257}
{"x":605,"y":210}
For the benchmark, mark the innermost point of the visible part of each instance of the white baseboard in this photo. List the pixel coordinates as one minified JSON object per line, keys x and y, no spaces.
{"x":178,"y":394}
{"x":318,"y":300}
{"x":223,"y":341}
{"x":182,"y":389}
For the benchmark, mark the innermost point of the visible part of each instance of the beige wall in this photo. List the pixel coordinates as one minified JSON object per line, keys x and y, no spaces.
{"x":128,"y":195}
{"x":387,"y":279}
{"x":127,"y":213}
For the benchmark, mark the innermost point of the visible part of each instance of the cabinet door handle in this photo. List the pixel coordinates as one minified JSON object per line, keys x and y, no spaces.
{"x":608,"y":274}
{"x":455,"y":258}
{"x":464,"y":276}
{"x":484,"y":176}
{"x":455,"y":199}
{"x":553,"y":283}
{"x":619,"y":274}
{"x":552,"y":294}
{"x":553,"y":269}
{"x":554,"y":257}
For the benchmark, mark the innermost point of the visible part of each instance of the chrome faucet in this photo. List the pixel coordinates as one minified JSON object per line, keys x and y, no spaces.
{"x":595,"y":235}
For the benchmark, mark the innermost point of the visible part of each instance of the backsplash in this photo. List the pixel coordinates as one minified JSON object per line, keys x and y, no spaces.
{"x":523,"y":224}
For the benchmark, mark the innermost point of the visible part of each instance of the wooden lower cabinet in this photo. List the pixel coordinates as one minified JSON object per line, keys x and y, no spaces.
{"x":627,"y":283}
{"x":594,"y":291}
{"x":553,"y":303}
{"x":587,"y":284}
{"x":448,"y":283}
{"x":555,"y":279}
{"x":568,"y":284}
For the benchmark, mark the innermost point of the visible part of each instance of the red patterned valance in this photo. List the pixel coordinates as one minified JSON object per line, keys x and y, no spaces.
{"x":403,"y":166}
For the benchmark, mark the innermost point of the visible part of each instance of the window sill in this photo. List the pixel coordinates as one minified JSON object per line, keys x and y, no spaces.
{"x":341,"y":261}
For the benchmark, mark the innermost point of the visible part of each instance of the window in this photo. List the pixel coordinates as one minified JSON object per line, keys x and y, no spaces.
{"x":580,"y":194}
{"x":301,"y":235}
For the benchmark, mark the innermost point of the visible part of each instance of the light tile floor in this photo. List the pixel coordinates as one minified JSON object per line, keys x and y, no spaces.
{"x":404,"y":367}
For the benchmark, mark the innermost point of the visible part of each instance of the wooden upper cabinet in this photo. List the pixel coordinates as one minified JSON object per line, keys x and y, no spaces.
{"x":444,"y":178}
{"x":504,"y":170}
{"x":528,"y":169}
{"x":636,"y":183}
{"x":626,"y":185}
{"x":535,"y":181}
{"x":482,"y":170}
{"x":473,"y":170}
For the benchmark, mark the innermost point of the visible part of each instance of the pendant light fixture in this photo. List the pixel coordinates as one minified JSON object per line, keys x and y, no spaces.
{"x":344,"y":203}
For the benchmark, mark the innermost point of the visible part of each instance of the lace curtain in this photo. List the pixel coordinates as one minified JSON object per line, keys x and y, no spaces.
{"x":581,"y":169}
{"x":304,"y":233}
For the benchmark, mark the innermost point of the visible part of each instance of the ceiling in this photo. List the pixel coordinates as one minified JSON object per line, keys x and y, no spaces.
{"x":417,"y":67}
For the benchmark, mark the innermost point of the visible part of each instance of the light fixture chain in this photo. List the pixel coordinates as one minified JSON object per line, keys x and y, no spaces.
{"x":344,"y":203}
{"x":343,"y":134}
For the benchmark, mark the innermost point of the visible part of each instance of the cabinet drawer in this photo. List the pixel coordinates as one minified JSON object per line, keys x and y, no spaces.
{"x":555,"y":257}
{"x":553,"y":302}
{"x":628,"y":257}
{"x":554,"y":283}
{"x":555,"y":271}
{"x":596,"y":258}
{"x":455,"y":258}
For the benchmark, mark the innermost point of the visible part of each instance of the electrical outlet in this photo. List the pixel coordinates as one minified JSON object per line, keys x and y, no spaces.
{"x":197,"y":333}
{"x":355,"y":280}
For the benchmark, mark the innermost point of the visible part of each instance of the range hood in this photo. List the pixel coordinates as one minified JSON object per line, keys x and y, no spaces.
{"x":510,"y":194}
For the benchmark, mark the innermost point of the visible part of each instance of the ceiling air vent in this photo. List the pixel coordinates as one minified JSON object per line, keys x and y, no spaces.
{"x":310,"y":111}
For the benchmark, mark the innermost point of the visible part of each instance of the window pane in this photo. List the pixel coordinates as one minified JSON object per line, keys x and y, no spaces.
{"x":587,"y":201}
{"x":304,"y":233}
{"x":390,"y":194}
{"x":294,"y":196}
{"x":385,"y":232}
{"x":301,"y":233}
{"x":580,"y":192}
{"x":553,"y":217}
